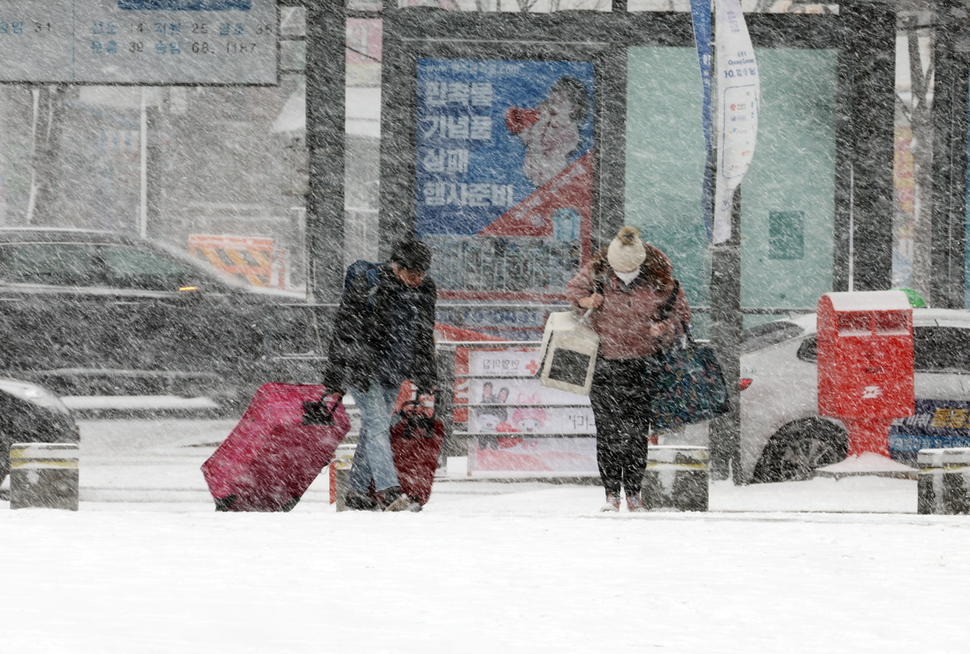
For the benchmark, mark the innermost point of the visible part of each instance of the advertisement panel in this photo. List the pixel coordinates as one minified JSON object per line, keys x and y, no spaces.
{"x":504,"y":404}
{"x":504,"y":175}
{"x":935,"y":424}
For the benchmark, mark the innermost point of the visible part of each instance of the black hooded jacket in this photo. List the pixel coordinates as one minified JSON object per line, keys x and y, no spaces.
{"x":360,"y":346}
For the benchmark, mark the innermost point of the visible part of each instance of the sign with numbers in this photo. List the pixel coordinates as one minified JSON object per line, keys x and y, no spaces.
{"x":139,"y":42}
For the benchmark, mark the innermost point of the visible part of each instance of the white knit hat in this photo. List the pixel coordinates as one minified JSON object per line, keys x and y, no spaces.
{"x":626,"y":251}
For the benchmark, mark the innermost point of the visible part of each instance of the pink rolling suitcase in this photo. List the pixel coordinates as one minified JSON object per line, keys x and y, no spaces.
{"x":285,"y":438}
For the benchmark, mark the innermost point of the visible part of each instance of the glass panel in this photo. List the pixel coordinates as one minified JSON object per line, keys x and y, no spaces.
{"x":55,"y":264}
{"x":793,"y":171}
{"x":218,"y":161}
{"x":292,"y":22}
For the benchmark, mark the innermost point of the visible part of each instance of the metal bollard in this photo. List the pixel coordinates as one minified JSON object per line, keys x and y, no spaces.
{"x":676,"y":478}
{"x":340,"y":466}
{"x":944,"y":481}
{"x":44,"y":476}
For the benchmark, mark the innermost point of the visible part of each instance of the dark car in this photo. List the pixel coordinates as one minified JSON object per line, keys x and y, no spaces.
{"x":31,"y":414}
{"x":96,"y":313}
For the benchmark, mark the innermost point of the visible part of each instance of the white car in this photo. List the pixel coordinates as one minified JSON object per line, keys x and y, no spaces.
{"x":783,"y":437}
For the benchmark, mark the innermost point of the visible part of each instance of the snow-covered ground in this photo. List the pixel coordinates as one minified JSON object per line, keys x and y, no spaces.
{"x":146,"y":565}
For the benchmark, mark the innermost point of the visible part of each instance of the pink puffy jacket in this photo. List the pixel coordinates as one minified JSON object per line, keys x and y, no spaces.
{"x":622,"y":321}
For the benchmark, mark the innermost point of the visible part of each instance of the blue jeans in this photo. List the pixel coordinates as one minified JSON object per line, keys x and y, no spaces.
{"x":373,"y":460}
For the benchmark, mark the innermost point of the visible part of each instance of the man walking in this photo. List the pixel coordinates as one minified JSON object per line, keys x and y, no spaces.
{"x":382,"y":335}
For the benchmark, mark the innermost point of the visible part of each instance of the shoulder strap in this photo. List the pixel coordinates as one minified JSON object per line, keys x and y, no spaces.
{"x":665,"y":308}
{"x":372,"y":281}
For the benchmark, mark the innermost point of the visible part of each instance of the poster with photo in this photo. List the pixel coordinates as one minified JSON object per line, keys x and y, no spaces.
{"x":504,"y":182}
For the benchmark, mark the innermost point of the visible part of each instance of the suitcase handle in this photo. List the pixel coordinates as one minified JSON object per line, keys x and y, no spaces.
{"x":415,"y":420}
{"x":317,"y":413}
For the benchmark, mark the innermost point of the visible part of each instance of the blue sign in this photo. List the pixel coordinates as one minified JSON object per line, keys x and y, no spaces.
{"x":935,"y":424}
{"x":185,"y":5}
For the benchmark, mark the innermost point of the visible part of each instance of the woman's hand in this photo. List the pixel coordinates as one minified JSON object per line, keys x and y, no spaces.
{"x":657,"y":329}
{"x":591,"y":302}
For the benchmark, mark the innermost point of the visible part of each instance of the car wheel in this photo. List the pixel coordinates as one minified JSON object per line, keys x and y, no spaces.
{"x":798,"y":449}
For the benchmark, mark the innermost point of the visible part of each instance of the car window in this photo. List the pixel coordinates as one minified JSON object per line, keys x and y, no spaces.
{"x":941,"y":349}
{"x":56,"y":264}
{"x":935,"y":349}
{"x":808,"y":350}
{"x":761,"y":336}
{"x":130,"y":268}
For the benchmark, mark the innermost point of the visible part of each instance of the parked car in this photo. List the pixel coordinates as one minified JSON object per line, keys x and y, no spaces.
{"x":97,"y":313}
{"x":31,"y":414}
{"x":782,"y":435}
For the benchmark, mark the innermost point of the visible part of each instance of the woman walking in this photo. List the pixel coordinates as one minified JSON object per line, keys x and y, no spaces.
{"x":628,"y":284}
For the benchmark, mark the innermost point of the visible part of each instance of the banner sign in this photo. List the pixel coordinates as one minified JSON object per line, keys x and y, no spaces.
{"x":504,"y":175}
{"x":935,"y":424}
{"x":700,"y":12}
{"x":738,"y":103}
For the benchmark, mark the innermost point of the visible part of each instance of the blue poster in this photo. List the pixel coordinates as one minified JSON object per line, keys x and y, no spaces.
{"x":504,"y":173}
{"x":935,"y":424}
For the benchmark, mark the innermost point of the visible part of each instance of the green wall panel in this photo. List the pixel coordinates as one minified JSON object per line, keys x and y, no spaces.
{"x":793,"y":173}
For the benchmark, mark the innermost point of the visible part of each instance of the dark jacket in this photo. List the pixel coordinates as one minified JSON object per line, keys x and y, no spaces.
{"x":359,"y":343}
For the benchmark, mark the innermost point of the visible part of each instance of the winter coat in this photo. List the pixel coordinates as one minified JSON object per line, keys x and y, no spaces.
{"x":628,"y":311}
{"x":359,"y":343}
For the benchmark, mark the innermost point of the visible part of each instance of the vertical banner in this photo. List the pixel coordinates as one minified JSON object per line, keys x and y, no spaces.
{"x":738,"y":100}
{"x":700,"y":12}
{"x":504,"y":175}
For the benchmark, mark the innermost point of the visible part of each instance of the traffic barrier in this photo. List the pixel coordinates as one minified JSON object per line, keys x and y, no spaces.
{"x":343,"y":460}
{"x":944,"y":481}
{"x":44,"y":476}
{"x":676,"y":478}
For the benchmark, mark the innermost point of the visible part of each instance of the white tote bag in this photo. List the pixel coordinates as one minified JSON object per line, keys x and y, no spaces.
{"x":568,"y":352}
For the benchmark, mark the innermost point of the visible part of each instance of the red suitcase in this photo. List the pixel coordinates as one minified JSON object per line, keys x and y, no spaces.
{"x":416,"y":444}
{"x":285,"y":438}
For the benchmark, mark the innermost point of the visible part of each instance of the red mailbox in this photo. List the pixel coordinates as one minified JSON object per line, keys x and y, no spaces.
{"x":865,"y":364}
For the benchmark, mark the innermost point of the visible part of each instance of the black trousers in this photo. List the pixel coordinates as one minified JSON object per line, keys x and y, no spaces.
{"x":621,"y":406}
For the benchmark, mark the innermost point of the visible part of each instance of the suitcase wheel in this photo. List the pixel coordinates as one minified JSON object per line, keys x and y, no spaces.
{"x":224,"y":503}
